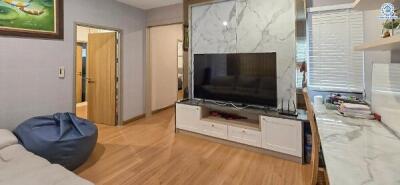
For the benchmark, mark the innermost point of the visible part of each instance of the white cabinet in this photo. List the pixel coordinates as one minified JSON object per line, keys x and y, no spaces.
{"x":214,"y":129}
{"x":281,"y":135}
{"x":187,"y":117}
{"x":244,"y":136}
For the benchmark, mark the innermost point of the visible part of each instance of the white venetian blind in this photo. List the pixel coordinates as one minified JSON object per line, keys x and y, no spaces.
{"x":333,"y":65}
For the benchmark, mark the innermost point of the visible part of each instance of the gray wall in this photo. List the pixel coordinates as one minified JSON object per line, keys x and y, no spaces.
{"x":165,"y":15}
{"x":372,"y":31}
{"x":29,"y":85}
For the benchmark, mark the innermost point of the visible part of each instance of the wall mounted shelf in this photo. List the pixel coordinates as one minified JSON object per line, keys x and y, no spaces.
{"x":383,"y":44}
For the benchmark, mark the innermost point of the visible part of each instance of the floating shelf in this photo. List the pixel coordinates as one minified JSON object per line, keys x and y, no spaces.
{"x":368,"y":4}
{"x":383,"y":44}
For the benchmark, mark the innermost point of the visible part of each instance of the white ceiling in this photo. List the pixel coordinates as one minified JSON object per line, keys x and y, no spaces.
{"x":149,"y":4}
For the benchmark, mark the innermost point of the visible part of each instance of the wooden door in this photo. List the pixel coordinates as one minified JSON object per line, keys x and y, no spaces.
{"x":79,"y":74}
{"x":101,"y":89}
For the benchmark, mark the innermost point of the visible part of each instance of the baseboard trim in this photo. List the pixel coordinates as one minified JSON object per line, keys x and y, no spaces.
{"x":163,"y":109}
{"x":144,"y":115}
{"x":134,"y":119}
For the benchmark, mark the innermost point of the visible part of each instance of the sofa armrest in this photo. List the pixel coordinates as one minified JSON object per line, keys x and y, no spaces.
{"x":7,"y":138}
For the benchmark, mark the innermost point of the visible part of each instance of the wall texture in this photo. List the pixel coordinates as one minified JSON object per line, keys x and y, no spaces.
{"x":29,"y":85}
{"x":83,"y":32}
{"x":165,"y":15}
{"x":164,"y":62}
{"x":250,"y":29}
{"x":372,"y":32}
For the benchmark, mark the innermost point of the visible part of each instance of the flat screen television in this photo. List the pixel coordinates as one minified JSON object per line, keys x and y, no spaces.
{"x":244,"y":78}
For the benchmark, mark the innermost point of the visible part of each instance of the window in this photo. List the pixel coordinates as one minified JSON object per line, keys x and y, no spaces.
{"x":301,"y":58}
{"x":333,"y":64}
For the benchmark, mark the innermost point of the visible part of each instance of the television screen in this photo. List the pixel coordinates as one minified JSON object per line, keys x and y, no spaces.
{"x":237,"y":78}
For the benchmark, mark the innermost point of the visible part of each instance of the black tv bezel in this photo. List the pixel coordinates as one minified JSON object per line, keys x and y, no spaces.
{"x":232,"y":102}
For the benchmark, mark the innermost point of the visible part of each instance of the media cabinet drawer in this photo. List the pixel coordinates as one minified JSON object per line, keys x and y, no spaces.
{"x":244,"y":136}
{"x":214,"y":129}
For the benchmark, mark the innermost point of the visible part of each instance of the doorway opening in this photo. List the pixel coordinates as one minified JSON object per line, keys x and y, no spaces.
{"x":97,"y":74}
{"x":165,"y":67}
{"x":181,"y":90}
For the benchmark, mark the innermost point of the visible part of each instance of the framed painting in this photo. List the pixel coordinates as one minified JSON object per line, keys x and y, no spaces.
{"x":32,"y":18}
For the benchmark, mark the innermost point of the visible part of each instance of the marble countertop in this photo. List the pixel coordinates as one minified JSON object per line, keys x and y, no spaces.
{"x":358,"y":151}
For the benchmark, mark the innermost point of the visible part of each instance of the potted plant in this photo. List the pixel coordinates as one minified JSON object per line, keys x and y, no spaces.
{"x":391,"y":27}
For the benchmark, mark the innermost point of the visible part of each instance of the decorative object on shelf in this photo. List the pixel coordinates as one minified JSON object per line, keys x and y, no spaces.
{"x":390,"y":26}
{"x":397,"y":29}
{"x":186,"y":38}
{"x":386,"y":34}
{"x":390,"y":14}
{"x":32,"y":18}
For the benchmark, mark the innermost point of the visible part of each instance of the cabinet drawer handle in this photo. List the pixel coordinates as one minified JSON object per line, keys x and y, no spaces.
{"x":213,"y":125}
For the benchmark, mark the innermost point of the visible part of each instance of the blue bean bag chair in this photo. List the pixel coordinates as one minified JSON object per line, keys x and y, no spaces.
{"x":61,"y":139}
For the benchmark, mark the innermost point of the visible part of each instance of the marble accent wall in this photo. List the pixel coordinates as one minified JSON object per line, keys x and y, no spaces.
{"x":209,"y":34}
{"x":269,"y":26}
{"x":253,"y":26}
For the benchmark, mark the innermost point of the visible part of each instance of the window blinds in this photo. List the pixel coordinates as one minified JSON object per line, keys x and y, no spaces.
{"x":333,"y":64}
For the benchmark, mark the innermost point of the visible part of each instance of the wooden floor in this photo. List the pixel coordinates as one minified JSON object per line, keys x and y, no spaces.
{"x":149,"y":152}
{"x":81,"y":110}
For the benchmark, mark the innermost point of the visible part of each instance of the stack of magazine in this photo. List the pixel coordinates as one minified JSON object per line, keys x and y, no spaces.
{"x":356,"y":111}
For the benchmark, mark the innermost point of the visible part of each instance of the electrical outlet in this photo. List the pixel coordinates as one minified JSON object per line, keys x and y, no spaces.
{"x":61,"y":72}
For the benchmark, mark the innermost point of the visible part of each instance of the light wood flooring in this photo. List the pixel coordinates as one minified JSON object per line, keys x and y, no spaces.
{"x":81,"y":110}
{"x":148,"y":151}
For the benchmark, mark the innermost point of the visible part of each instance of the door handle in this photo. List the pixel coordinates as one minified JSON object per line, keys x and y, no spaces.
{"x":90,"y":81}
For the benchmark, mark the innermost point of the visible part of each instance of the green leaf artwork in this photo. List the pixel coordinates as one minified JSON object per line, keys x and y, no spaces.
{"x":29,"y":15}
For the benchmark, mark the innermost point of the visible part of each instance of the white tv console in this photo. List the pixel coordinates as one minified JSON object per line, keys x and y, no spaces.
{"x":265,"y":131}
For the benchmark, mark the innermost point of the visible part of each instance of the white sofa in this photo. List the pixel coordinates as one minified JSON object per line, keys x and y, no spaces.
{"x":20,"y":167}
